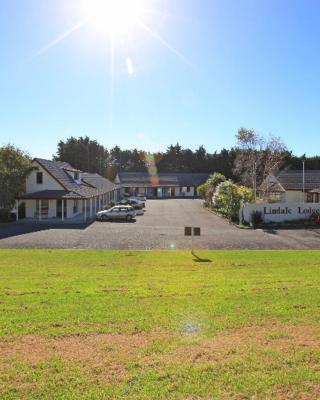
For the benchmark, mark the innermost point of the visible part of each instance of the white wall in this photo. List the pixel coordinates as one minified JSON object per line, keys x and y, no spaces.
{"x":52,"y":209}
{"x":185,"y":193}
{"x":30,"y":208}
{"x":48,"y":182}
{"x":294,"y":196}
{"x":70,"y":204}
{"x":279,"y":212}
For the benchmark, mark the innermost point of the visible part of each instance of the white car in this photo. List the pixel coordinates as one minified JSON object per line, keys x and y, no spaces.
{"x":120,"y":212}
{"x":133,"y":202}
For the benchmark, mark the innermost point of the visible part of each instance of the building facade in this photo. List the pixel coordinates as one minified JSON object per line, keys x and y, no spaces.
{"x":58,"y":192}
{"x":163,"y":185}
{"x":292,"y":187}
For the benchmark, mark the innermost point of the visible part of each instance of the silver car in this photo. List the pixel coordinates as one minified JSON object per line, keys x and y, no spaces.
{"x":120,"y":212}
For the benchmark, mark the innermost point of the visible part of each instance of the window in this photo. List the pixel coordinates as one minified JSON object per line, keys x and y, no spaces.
{"x":76,"y":176}
{"x":188,"y":189}
{"x":275,"y":197}
{"x":39,"y":178}
{"x":309,"y":197}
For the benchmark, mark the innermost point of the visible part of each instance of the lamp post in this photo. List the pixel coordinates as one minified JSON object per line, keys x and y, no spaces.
{"x":303,"y":180}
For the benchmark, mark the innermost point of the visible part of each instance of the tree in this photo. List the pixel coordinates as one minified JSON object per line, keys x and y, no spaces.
{"x":201,"y":160}
{"x":84,"y":154}
{"x":172,"y":160}
{"x":248,"y":163}
{"x":273,"y":156}
{"x":15,"y":165}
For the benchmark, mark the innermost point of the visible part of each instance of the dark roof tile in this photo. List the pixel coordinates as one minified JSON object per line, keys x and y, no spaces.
{"x":91,"y":184}
{"x":162,"y":179}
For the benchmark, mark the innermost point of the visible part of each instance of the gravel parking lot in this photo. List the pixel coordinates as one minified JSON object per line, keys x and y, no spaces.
{"x":162,"y":227}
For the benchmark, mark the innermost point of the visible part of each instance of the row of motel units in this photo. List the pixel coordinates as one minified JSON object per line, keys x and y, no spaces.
{"x":57,"y":191}
{"x":292,"y":186}
{"x":163,"y":185}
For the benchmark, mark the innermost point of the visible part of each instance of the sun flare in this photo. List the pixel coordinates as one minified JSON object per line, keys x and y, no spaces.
{"x":113,"y":16}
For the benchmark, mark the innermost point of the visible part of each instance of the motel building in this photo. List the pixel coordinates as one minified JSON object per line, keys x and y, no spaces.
{"x":55,"y":191}
{"x":292,"y":186}
{"x":163,"y":185}
{"x":288,"y":196}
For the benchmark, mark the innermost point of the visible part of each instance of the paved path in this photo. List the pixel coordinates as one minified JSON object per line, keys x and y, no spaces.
{"x":160,"y":228}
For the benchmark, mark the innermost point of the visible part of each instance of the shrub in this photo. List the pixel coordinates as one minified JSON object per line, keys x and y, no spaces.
{"x":256,"y":218}
{"x":5,"y":215}
{"x":22,"y":210}
{"x":246,"y":194}
{"x":206,"y":190}
{"x":227,"y":200}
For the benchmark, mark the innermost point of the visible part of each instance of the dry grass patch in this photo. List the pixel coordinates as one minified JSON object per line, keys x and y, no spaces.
{"x":230,"y":344}
{"x":100,"y":350}
{"x":308,"y":391}
{"x":106,"y":354}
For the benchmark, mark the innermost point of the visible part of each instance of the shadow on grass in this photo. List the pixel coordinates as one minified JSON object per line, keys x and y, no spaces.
{"x":199,"y":259}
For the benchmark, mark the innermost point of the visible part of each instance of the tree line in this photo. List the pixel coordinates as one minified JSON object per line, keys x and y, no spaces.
{"x":88,"y":155}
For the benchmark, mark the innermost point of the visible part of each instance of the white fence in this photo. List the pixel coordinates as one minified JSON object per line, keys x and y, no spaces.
{"x":279,"y":212}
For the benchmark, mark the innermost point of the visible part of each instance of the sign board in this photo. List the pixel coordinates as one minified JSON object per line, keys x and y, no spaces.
{"x":192,"y":231}
{"x":196,"y":231}
{"x":279,"y":212}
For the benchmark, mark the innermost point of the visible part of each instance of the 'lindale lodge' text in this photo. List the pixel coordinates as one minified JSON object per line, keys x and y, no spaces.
{"x":288,"y":210}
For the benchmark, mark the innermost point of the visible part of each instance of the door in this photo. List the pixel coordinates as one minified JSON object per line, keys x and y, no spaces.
{"x":59,"y":209}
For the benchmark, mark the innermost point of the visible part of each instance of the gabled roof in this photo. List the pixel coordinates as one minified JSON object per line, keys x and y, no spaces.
{"x":271,"y":184}
{"x":90,"y":185}
{"x":293,"y":180}
{"x":142,"y":179}
{"x":98,"y":182}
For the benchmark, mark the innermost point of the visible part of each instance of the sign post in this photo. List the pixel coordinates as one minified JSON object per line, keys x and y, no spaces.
{"x":192,"y":231}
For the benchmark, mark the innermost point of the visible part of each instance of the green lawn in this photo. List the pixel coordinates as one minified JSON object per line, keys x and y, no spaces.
{"x":159,"y":325}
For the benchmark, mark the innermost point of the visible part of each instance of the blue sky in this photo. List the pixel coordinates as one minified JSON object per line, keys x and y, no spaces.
{"x":251,"y":63}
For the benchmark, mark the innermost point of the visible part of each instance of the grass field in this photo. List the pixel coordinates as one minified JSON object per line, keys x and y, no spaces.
{"x":159,"y":325}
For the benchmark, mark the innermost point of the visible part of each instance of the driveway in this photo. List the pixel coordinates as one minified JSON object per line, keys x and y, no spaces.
{"x":162,"y":227}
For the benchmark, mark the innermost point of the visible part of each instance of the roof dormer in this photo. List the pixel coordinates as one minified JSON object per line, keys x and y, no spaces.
{"x":75,"y":175}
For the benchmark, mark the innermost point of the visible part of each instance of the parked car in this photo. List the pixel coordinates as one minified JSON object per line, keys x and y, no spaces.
{"x":120,"y":212}
{"x":139,"y":210}
{"x":133,"y":202}
{"x":140,"y":198}
{"x":128,"y":196}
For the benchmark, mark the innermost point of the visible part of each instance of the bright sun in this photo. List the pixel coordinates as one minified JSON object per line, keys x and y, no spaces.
{"x":114,"y":16}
